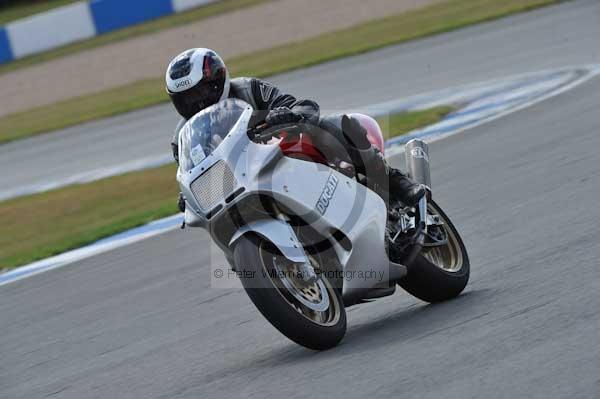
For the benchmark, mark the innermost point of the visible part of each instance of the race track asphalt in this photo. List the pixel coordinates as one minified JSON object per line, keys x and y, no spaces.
{"x":142,"y":321}
{"x":553,"y":37}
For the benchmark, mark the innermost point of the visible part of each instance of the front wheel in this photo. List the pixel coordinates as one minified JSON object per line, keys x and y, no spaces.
{"x":310,"y":314}
{"x":439,"y":272}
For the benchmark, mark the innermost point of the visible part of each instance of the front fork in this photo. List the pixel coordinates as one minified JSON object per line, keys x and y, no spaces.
{"x":307,"y":270}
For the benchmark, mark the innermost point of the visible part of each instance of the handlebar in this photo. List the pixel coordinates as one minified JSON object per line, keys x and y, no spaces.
{"x":265,"y":132}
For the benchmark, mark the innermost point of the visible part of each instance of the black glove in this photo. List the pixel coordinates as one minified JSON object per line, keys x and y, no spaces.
{"x":281,"y":116}
{"x":181,"y":203}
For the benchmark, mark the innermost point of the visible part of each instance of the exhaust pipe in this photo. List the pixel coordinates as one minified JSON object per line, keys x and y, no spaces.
{"x":417,"y":167}
{"x":417,"y":162}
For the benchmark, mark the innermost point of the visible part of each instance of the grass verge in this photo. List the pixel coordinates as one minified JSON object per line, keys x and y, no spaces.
{"x":41,"y":225}
{"x":45,"y":224}
{"x":439,"y":18}
{"x":435,"y":19}
{"x":403,"y":122}
{"x":169,"y":21}
{"x":18,"y":10}
{"x":78,"y":110}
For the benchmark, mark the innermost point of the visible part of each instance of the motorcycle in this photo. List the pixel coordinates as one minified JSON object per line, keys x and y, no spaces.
{"x":306,"y":235}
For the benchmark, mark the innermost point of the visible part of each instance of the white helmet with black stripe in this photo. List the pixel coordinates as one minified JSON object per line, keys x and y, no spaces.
{"x":196,"y":79}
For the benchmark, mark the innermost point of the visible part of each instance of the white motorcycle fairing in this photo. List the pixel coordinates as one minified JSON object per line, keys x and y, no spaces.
{"x":231,"y":178}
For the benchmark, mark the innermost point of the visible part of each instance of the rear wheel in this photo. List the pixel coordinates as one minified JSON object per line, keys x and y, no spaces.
{"x":310,"y":314}
{"x":439,"y":272}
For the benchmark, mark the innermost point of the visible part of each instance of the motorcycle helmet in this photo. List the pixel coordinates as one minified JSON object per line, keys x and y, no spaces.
{"x":196,"y":79}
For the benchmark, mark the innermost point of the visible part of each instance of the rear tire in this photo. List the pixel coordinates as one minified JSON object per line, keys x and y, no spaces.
{"x":277,"y":304}
{"x":431,"y":282}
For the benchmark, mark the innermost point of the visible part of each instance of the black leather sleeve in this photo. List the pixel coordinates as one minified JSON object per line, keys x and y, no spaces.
{"x":267,"y":96}
{"x":175,"y":140}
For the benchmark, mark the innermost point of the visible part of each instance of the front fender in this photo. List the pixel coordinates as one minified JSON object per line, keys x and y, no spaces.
{"x":279,"y":233}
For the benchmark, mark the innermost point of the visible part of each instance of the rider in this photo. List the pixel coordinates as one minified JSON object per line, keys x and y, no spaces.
{"x":198,"y":78}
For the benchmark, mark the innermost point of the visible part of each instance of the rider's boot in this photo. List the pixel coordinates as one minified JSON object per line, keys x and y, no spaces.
{"x":382,"y":178}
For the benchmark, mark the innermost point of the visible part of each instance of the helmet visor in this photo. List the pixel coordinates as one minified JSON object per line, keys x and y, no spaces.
{"x":193,"y":100}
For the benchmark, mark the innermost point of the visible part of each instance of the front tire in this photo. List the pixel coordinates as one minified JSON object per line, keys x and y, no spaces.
{"x":439,"y":273}
{"x":287,"y":304}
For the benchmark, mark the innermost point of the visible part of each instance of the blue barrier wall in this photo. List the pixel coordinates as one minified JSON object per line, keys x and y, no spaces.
{"x":81,"y":20}
{"x":111,"y":15}
{"x":6,"y":54}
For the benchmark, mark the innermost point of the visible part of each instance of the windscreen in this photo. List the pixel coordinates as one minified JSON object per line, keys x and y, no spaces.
{"x":203,"y":133}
